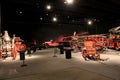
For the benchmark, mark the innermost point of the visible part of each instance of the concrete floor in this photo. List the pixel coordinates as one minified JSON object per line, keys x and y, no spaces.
{"x":42,"y":65}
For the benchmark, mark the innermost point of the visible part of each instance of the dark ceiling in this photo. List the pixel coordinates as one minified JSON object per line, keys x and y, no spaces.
{"x":81,"y":9}
{"x":26,"y":13}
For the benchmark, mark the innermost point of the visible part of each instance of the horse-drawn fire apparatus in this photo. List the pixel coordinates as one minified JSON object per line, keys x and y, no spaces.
{"x":10,"y":47}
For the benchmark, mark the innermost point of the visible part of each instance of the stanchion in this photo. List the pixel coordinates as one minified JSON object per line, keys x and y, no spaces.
{"x":55,"y":52}
{"x":29,"y":52}
{"x":68,"y":53}
{"x":61,"y":50}
{"x":22,"y":57}
{"x":23,"y":64}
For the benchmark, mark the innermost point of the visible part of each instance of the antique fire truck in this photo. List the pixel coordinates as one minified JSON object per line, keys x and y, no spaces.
{"x":114,"y":38}
{"x":48,"y":44}
{"x":99,"y":40}
{"x":89,"y":51}
{"x":10,"y":47}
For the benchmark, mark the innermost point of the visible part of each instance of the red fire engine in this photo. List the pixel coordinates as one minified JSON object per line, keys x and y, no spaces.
{"x":89,"y":51}
{"x":50,"y":43}
{"x":114,"y":38}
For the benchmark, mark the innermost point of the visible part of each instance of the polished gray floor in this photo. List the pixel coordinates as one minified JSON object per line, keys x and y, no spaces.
{"x":42,"y":65}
